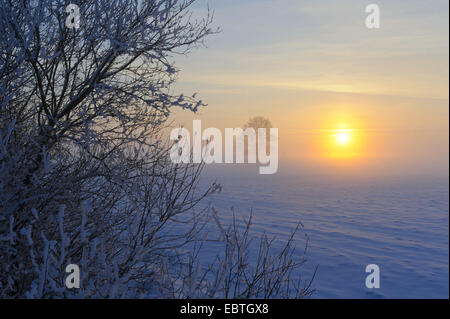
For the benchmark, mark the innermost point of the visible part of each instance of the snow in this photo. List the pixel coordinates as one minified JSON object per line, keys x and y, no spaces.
{"x":400,"y":224}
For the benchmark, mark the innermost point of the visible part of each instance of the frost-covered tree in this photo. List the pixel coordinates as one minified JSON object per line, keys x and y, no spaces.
{"x":85,"y":175}
{"x":81,"y":110}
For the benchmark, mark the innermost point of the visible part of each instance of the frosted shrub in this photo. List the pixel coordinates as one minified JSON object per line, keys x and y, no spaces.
{"x":85,"y":173}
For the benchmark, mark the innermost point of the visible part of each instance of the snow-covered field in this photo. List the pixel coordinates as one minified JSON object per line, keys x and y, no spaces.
{"x":400,"y":224}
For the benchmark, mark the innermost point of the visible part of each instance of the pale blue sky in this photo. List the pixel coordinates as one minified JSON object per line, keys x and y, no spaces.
{"x":301,"y":63}
{"x":325,"y":45}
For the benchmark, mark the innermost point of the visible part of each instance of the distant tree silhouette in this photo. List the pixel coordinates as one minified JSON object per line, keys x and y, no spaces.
{"x":258,"y":122}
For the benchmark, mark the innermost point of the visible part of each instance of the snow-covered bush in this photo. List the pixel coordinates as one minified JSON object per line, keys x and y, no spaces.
{"x":85,"y":174}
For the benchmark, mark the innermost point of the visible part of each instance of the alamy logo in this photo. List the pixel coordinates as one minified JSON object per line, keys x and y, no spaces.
{"x":373,"y":19}
{"x":373,"y":279}
{"x":207,"y":146}
{"x":73,"y":19}
{"x":73,"y":279}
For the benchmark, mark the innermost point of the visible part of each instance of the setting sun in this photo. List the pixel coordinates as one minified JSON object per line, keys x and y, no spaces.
{"x":343,"y":142}
{"x":343,"y":138}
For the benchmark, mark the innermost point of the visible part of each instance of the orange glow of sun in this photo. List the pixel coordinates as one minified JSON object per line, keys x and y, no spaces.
{"x":343,"y":143}
{"x":343,"y":138}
